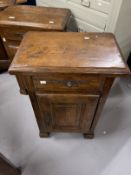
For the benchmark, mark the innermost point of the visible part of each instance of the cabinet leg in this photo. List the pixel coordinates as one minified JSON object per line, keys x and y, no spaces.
{"x":88,"y":135}
{"x":45,"y":134}
{"x":23,"y":91}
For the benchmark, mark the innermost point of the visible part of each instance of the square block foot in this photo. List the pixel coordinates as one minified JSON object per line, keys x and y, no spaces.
{"x":45,"y":134}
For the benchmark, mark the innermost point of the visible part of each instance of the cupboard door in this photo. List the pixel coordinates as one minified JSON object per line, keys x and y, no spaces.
{"x":67,"y":112}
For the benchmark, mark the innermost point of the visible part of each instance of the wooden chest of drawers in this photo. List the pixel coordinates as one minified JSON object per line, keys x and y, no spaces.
{"x":15,"y":21}
{"x":67,"y":77}
{"x":4,"y":62}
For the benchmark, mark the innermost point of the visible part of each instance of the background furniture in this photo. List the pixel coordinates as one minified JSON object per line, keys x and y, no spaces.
{"x":6,"y":3}
{"x":15,"y":21}
{"x":3,"y":56}
{"x":7,"y":168}
{"x":100,"y":16}
{"x":67,"y":82}
{"x":4,"y":61}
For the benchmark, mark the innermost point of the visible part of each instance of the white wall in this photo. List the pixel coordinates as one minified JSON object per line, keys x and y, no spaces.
{"x":123,"y":28}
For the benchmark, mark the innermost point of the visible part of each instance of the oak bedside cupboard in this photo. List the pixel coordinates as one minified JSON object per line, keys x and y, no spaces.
{"x":16,"y":20}
{"x":68,"y":77}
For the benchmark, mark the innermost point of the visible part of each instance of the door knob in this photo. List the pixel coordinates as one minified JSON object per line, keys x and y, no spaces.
{"x":69,"y":84}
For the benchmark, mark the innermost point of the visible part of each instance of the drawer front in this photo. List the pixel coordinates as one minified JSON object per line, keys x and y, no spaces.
{"x":99,"y":5}
{"x":67,"y":112}
{"x":11,"y":47}
{"x":12,"y":34}
{"x":17,"y":36}
{"x":68,"y":83}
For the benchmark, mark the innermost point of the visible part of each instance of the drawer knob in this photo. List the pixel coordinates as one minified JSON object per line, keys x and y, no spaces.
{"x":69,"y":84}
{"x":86,"y":38}
{"x":11,"y":17}
{"x":51,"y":22}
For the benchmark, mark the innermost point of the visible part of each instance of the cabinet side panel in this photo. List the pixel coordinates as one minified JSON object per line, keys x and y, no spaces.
{"x":106,"y":89}
{"x":28,"y":84}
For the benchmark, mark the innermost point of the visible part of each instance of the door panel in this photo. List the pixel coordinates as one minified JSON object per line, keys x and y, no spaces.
{"x":67,"y":112}
{"x":66,"y":115}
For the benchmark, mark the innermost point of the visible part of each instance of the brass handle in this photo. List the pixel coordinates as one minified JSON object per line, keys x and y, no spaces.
{"x":47,"y":118}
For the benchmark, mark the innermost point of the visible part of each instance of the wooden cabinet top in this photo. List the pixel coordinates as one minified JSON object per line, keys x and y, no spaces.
{"x":37,"y":17}
{"x":92,"y":53}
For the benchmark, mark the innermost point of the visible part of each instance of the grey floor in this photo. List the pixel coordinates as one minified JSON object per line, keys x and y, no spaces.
{"x":109,"y":153}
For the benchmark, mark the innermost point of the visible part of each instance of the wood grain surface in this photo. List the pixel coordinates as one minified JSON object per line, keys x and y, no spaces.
{"x":82,"y":52}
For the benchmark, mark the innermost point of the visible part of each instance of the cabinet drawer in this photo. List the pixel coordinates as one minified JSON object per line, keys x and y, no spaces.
{"x":12,"y":35}
{"x":11,"y":47}
{"x":68,"y":83}
{"x":99,"y":5}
